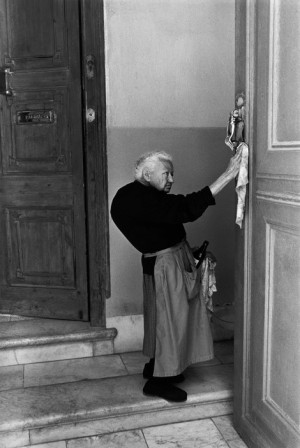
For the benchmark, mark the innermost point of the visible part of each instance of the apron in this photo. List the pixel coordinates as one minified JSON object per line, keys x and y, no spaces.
{"x":181,"y":324}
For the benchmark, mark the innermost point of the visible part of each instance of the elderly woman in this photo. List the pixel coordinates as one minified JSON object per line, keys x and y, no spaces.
{"x":176,"y":326}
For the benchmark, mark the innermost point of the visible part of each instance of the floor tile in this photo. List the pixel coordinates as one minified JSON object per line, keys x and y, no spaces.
{"x":67,"y":402}
{"x":61,"y":444}
{"x":126,"y":439}
{"x":8,"y":358}
{"x":224,"y":351}
{"x":73,"y":370}
{"x":163,"y":414}
{"x":11,"y":377}
{"x":14,"y":438}
{"x":196,"y":434}
{"x":27,"y":355}
{"x":208,"y":379}
{"x":60,"y":403}
{"x":225,"y":426}
{"x":134,"y":362}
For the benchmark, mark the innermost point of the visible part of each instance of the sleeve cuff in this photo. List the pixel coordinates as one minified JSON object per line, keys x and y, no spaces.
{"x":209,"y":196}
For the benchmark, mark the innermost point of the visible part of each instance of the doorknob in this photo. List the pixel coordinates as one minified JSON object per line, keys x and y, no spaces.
{"x":4,"y":82}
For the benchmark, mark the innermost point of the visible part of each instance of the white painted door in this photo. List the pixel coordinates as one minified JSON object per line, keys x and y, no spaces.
{"x":267,"y":293}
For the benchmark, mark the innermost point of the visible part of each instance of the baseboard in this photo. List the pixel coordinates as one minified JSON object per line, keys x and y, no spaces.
{"x":130,"y":332}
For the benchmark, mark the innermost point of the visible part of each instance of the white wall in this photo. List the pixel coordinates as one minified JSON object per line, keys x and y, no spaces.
{"x":169,"y":62}
{"x":170,"y":86}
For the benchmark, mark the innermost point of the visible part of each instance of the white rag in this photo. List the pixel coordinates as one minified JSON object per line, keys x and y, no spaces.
{"x":208,"y":279}
{"x":242,"y":181}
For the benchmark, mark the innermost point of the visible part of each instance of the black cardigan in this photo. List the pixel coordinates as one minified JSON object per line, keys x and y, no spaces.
{"x":153,"y":220}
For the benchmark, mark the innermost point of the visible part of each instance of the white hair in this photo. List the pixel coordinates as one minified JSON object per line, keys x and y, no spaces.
{"x":149,"y":160}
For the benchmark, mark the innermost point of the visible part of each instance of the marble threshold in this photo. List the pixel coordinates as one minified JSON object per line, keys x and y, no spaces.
{"x":41,"y":414}
{"x":40,"y":340}
{"x":48,"y":331}
{"x":81,"y":368}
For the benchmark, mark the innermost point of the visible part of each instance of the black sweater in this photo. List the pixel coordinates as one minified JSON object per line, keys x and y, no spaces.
{"x":153,"y":220}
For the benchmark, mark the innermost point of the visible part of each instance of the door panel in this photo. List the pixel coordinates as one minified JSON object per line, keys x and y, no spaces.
{"x":43,"y":247}
{"x":40,"y":247}
{"x":267,"y":362}
{"x":35,"y":132}
{"x":275,"y":363}
{"x":278,"y":88}
{"x":36,"y":34}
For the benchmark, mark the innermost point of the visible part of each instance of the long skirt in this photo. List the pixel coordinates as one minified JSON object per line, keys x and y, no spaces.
{"x":176,"y":325}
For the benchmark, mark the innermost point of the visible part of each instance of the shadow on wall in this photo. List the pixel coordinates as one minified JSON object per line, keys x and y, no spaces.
{"x":222,"y":322}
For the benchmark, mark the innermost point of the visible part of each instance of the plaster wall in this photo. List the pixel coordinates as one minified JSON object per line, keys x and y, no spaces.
{"x":170,"y":86}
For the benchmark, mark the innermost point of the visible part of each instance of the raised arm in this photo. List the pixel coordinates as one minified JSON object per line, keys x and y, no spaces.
{"x":229,"y":174}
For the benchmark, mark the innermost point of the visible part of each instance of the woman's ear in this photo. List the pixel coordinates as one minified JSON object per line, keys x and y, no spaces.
{"x":146,"y":174}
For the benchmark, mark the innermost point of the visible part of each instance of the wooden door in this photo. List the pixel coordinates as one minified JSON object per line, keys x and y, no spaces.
{"x":42,"y":237}
{"x":267,"y":355}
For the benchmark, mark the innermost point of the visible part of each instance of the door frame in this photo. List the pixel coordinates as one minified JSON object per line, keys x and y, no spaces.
{"x":95,"y":157}
{"x":261,"y":420}
{"x":245,"y":79}
{"x":245,"y":13}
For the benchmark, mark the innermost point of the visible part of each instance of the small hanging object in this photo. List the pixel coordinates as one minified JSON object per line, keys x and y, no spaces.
{"x":235,"y":139}
{"x":200,"y":253}
{"x":236,"y":124}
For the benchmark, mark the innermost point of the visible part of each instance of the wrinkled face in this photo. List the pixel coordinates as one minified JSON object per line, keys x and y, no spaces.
{"x":161,"y":177}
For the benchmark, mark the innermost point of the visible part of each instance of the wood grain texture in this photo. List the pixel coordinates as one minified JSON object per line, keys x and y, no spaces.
{"x":96,"y":159}
{"x":43,"y":233}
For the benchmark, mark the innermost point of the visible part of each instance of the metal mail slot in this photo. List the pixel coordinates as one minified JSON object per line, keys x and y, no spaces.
{"x":35,"y":117}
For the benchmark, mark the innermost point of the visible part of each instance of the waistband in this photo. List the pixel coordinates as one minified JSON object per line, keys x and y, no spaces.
{"x":166,"y":251}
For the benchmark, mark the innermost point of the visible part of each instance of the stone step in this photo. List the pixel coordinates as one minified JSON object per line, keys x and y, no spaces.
{"x":78,"y":369}
{"x":36,"y":415}
{"x":40,"y":340}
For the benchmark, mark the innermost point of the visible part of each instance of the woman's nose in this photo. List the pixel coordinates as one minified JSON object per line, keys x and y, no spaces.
{"x":170,"y":177}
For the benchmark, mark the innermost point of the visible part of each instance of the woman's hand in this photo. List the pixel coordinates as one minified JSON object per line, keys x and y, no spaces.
{"x":234,"y":165}
{"x":229,"y":174}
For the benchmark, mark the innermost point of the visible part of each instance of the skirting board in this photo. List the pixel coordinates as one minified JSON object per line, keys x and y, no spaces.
{"x":130,"y":332}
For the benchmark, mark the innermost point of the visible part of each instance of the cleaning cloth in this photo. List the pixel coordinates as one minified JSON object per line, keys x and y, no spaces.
{"x":242,"y":181}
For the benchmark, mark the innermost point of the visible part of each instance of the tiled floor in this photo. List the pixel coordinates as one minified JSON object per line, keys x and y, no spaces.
{"x":216,"y":432}
{"x":79,"y":369}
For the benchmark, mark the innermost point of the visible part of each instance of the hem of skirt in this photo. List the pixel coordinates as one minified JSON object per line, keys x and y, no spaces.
{"x":185,"y":366}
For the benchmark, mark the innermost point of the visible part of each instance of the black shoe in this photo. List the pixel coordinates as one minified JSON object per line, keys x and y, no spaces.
{"x":148,"y":374}
{"x":148,"y":370}
{"x":163,"y":389}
